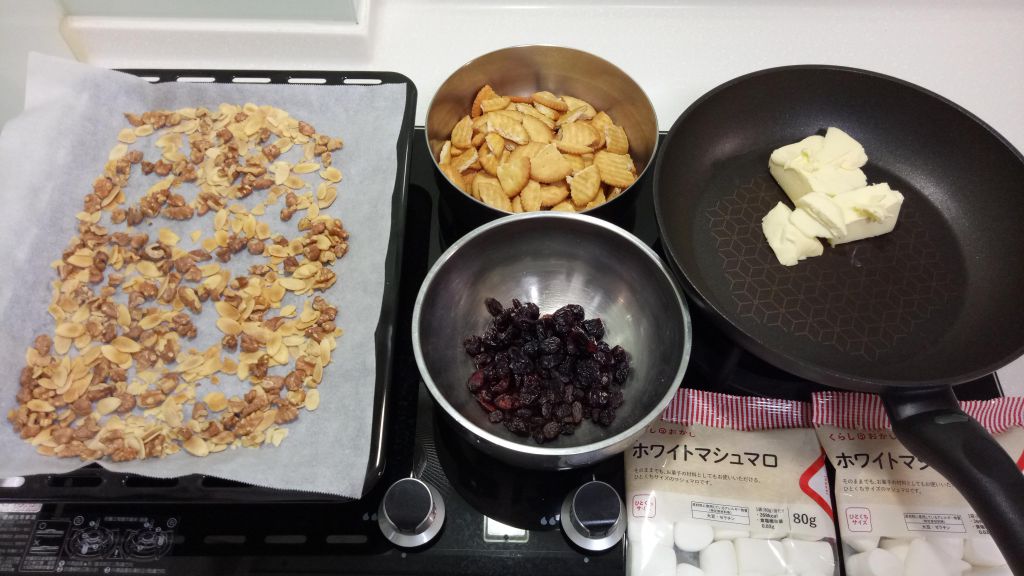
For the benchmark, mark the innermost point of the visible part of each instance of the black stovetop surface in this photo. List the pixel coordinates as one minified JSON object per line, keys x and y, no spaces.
{"x":93,"y":521}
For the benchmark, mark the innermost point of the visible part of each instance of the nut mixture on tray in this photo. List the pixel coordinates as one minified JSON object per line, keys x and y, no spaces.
{"x":117,"y":378}
{"x":538,"y":152}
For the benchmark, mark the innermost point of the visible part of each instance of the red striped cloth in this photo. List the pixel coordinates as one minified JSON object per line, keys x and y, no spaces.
{"x":858,"y":411}
{"x":744,"y":413}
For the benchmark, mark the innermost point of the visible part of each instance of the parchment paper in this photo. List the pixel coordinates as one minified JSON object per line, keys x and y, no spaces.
{"x":49,"y":157}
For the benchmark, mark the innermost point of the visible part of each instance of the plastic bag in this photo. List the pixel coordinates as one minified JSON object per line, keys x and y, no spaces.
{"x":729,"y":485}
{"x":897,"y":515}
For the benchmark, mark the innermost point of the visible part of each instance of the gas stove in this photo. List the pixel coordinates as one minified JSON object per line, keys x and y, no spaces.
{"x":473,"y":514}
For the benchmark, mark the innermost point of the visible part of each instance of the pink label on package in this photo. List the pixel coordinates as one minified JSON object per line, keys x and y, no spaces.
{"x":644,"y":506}
{"x":858,"y":519}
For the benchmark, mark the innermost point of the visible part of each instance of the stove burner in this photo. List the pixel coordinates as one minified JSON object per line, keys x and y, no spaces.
{"x":91,"y":543}
{"x":147,"y":544}
{"x":517,"y":497}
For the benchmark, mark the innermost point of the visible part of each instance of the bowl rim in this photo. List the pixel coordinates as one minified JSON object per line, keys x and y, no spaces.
{"x":647,"y":98}
{"x":527,"y":447}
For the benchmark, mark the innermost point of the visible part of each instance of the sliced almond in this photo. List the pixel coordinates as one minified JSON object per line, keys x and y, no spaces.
{"x":125,"y":344}
{"x":196,"y":446}
{"x":107,"y":405}
{"x":216,"y":401}
{"x":229,"y":326}
{"x":312,"y":400}
{"x":37,"y":405}
{"x":331,"y":174}
{"x":292,"y":284}
{"x":69,"y":330}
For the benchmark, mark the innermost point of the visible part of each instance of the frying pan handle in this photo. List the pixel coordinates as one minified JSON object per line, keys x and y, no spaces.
{"x":931,"y":424}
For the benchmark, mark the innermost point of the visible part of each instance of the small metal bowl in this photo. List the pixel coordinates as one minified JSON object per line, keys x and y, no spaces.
{"x":553,"y":259}
{"x":523,"y":70}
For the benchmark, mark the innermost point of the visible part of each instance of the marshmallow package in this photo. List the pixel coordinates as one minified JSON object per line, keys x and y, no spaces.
{"x":729,"y":486}
{"x":896,"y":515}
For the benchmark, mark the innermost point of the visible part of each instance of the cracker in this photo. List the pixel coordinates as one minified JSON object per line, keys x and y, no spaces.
{"x":485,"y":93}
{"x":615,"y":169}
{"x":513,"y":175}
{"x":548,"y":165}
{"x":585,"y":186}
{"x":548,"y":99}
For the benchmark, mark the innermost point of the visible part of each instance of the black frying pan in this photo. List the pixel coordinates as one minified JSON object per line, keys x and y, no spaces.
{"x":935,"y":303}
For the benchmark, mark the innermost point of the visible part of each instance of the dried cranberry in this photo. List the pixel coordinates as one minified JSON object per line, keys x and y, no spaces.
{"x":523,"y":366}
{"x":474,"y":345}
{"x":552,"y":430}
{"x":550,"y":360}
{"x":476,"y":381}
{"x":531,"y":349}
{"x":621,"y":373}
{"x":594,"y":327}
{"x":505,"y":402}
{"x":494,"y":307}
{"x":552,"y":345}
{"x":500,"y":387}
{"x":517,"y":426}
{"x":541,"y":376}
{"x":619,"y":354}
{"x":483,"y":402}
{"x":577,"y":412}
{"x":563,"y":411}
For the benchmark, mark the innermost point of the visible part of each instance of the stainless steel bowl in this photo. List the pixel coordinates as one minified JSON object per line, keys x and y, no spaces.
{"x":553,"y":259}
{"x":523,"y":70}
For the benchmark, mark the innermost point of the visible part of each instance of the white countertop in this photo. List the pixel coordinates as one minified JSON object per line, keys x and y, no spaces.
{"x":970,"y":52}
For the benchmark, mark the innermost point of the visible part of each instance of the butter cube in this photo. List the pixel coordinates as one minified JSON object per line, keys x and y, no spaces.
{"x":830,"y":164}
{"x":786,"y":240}
{"x":869,"y":211}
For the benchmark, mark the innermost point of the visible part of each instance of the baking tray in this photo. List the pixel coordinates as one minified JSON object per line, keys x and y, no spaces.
{"x":110,"y":485}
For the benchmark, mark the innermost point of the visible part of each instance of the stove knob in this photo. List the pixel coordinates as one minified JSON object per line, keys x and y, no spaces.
{"x":411,"y":513}
{"x":593,"y":516}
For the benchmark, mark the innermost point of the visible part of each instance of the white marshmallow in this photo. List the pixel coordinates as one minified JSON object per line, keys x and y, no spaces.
{"x":862,"y":543}
{"x":982,"y":551}
{"x":809,"y":558}
{"x":650,"y":531}
{"x":898,"y":546}
{"x":688,"y":570}
{"x":693,"y":536}
{"x":875,"y":562}
{"x":887,"y":543}
{"x":730,"y":533}
{"x":719,"y":559}
{"x":992,"y":571}
{"x":951,"y":547}
{"x":652,"y":561}
{"x":923,"y":559}
{"x":764,"y":556}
